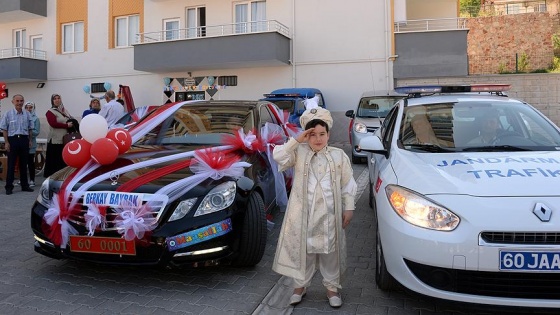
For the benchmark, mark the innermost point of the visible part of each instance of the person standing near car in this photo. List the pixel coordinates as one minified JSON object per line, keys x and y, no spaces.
{"x":320,"y":207}
{"x":30,"y":107}
{"x":17,"y":129}
{"x":58,"y":120}
{"x":113,"y":110}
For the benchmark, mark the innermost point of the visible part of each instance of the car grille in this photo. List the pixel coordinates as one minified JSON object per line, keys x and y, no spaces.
{"x":493,"y":284}
{"x":540,"y":238}
{"x":111,"y":214}
{"x":371,"y":129}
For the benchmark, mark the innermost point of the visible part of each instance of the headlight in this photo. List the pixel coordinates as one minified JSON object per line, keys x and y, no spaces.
{"x":44,"y":197}
{"x":219,"y":198}
{"x":182,"y":209}
{"x":418,"y":210}
{"x":360,"y":128}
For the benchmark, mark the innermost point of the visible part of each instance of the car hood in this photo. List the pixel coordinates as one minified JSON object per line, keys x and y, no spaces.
{"x":137,"y":155}
{"x":479,"y":174}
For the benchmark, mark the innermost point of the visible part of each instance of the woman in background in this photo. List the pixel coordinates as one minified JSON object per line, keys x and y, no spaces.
{"x":94,"y":107}
{"x":30,"y":107}
{"x":57,"y":118}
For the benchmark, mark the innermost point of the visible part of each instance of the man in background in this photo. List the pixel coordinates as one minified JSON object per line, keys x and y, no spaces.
{"x":113,"y":110}
{"x":17,"y":127}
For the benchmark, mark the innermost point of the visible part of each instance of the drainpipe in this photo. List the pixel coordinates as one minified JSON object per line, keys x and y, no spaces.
{"x":387,"y":46}
{"x":292,"y":61}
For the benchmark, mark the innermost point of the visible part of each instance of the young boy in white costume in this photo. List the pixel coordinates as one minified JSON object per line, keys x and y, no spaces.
{"x":320,"y":207}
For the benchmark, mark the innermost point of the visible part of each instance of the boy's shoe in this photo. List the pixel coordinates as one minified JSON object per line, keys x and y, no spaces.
{"x":335,"y":301}
{"x":31,"y":183}
{"x":296,"y":298}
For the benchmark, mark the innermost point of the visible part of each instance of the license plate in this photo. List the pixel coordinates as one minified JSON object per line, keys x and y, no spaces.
{"x":102,"y":245}
{"x":530,"y":261}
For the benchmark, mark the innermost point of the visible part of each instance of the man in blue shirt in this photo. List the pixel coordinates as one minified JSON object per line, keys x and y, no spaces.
{"x":17,"y":127}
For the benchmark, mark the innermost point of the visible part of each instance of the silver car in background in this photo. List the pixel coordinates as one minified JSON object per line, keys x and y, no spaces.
{"x":372,"y":109}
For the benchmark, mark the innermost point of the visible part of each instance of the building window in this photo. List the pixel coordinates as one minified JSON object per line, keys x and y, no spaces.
{"x":18,"y":43}
{"x":98,"y":88}
{"x":250,"y":16}
{"x":230,"y":80}
{"x":36,"y":45}
{"x":196,"y":22}
{"x":171,"y":27}
{"x":127,"y":27}
{"x":73,"y":37}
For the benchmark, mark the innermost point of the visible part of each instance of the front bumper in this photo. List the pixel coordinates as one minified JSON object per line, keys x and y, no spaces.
{"x":461,"y":266}
{"x":154,"y":250}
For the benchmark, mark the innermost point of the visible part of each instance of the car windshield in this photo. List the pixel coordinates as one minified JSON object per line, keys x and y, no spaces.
{"x":287,"y":105}
{"x":473,"y":126}
{"x":200,"y":125}
{"x":375,"y":106}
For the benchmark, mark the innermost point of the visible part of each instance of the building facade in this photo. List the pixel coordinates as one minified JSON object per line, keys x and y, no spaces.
{"x":171,"y":50}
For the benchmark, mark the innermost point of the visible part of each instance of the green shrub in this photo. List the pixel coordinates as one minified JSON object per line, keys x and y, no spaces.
{"x":523,"y":63}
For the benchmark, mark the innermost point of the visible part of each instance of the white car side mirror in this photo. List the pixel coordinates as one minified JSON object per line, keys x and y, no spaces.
{"x":371,"y":144}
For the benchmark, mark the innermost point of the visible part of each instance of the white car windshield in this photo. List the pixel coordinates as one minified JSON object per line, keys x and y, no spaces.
{"x":477,"y":126}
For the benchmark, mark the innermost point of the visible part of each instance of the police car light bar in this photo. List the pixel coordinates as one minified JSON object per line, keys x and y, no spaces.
{"x":422,"y":89}
{"x":283,"y":95}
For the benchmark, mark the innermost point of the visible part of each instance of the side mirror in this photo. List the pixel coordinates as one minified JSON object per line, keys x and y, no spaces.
{"x":372,"y":144}
{"x":350,"y":114}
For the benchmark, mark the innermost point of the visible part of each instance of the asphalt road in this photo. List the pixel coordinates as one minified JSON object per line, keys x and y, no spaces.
{"x":33,"y":284}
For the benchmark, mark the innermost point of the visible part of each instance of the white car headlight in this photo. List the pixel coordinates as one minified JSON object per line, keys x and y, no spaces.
{"x":360,"y":128}
{"x":419,"y":211}
{"x":182,"y":209}
{"x":44,"y":198}
{"x":219,"y":198}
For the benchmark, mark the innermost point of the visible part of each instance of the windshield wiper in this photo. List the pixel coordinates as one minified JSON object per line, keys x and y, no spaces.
{"x":495,"y":148}
{"x":429,"y":147}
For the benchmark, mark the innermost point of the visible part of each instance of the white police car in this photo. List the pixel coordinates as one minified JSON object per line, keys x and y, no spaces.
{"x":465,"y":182}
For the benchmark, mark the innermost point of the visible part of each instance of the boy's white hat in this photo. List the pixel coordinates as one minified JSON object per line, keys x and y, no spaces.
{"x":316,"y":113}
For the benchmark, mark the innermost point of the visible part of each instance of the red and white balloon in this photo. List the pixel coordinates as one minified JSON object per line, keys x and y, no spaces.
{"x":3,"y":93}
{"x":121,"y":137}
{"x":104,"y":151}
{"x":76,"y":153}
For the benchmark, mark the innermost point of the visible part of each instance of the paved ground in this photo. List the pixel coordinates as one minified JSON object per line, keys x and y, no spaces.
{"x":34,"y":284}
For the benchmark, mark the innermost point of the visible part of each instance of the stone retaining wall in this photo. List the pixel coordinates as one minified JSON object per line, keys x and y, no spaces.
{"x":493,"y":42}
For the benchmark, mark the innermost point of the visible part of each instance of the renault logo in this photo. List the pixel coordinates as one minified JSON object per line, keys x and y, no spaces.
{"x":542,"y":212}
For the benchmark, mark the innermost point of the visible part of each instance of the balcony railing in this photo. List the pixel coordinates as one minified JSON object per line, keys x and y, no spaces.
{"x":214,"y":31}
{"x":430,"y":25}
{"x":513,"y":7}
{"x":23,"y":52}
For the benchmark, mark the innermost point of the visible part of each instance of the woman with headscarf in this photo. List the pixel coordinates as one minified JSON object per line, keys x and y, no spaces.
{"x":58,"y":120}
{"x":30,"y":107}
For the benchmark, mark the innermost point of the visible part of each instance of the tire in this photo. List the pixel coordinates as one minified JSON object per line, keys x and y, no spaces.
{"x":356,"y":159}
{"x":254,"y":233}
{"x":383,"y":278}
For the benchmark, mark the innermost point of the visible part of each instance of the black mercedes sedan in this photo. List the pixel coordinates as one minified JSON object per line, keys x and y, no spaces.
{"x":195,"y":189}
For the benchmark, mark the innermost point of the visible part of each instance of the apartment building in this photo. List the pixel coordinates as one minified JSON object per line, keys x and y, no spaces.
{"x":171,"y":50}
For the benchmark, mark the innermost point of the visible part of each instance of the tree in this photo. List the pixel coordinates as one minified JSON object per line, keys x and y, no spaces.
{"x":470,"y":7}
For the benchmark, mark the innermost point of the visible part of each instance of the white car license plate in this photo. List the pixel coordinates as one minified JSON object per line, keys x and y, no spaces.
{"x":530,"y":261}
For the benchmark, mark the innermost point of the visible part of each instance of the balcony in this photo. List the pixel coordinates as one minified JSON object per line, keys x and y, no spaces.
{"x":240,"y":45}
{"x":22,"y":65}
{"x":21,"y":10}
{"x":431,"y":48}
